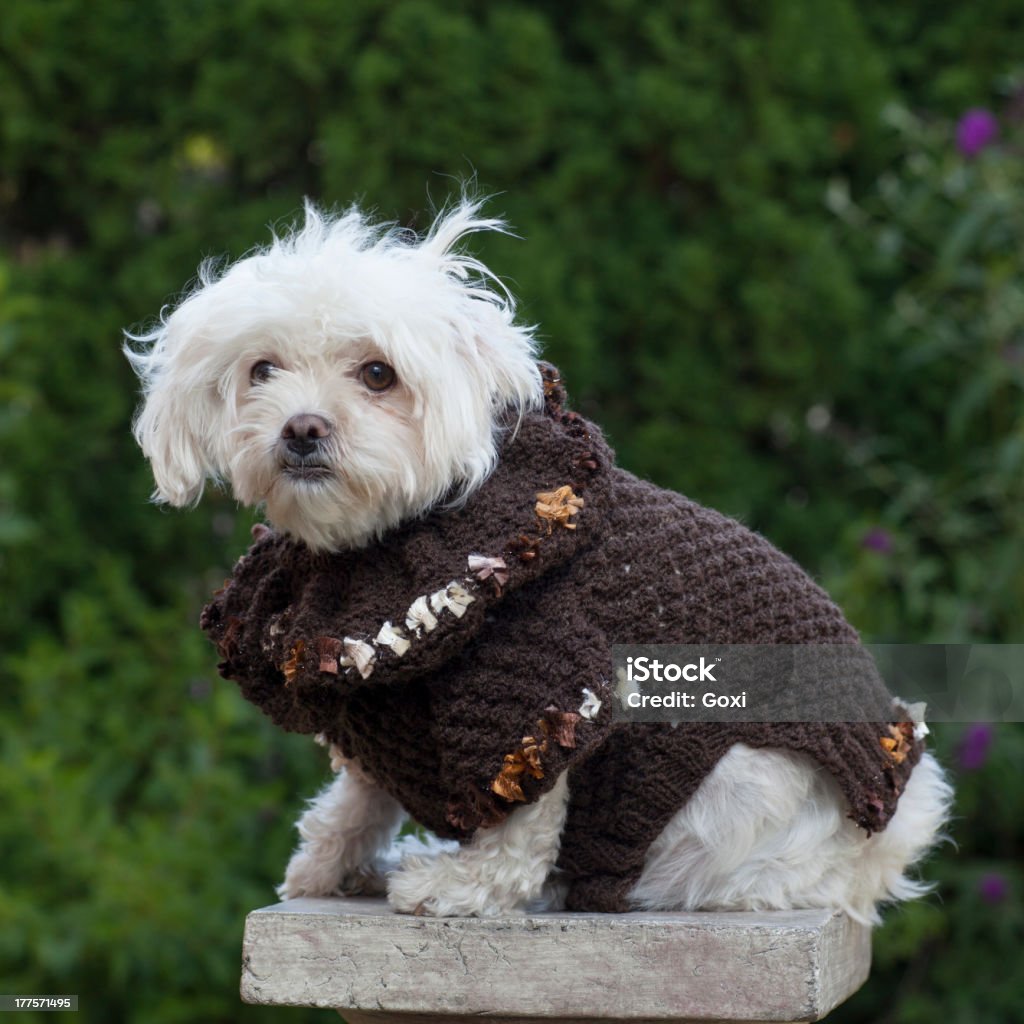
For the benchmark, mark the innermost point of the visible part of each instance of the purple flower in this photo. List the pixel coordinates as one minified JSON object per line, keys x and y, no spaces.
{"x":975,"y":130}
{"x":877,"y":539}
{"x":974,"y":746}
{"x":993,"y":887}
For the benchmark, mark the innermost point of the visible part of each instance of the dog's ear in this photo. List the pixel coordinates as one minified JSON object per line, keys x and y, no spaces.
{"x":177,"y":418}
{"x":505,"y":351}
{"x":507,"y":355}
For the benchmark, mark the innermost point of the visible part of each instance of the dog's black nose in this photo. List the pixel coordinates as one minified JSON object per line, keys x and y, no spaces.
{"x":302,"y":434}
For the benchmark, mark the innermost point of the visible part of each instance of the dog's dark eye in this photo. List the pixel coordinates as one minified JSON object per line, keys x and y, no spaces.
{"x":261,"y":372}
{"x":377,"y":376}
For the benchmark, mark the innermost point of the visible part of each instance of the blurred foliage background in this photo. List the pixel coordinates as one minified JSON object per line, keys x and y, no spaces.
{"x":776,"y":250}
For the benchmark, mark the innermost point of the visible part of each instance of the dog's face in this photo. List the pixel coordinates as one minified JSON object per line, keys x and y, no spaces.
{"x":346,"y":378}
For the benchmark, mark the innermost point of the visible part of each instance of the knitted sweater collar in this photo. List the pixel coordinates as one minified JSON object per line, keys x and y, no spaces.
{"x":412,"y":600}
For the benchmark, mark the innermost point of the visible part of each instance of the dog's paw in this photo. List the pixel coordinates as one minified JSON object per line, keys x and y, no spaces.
{"x":443,"y":886}
{"x":309,"y":875}
{"x":368,"y":880}
{"x":410,"y":887}
{"x":416,"y":889}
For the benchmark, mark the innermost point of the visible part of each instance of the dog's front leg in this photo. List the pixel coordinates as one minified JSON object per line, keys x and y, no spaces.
{"x":498,"y":872}
{"x":343,"y":831}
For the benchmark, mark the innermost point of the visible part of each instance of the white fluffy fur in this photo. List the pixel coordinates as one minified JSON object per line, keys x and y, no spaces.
{"x":320,"y":304}
{"x":343,"y":832}
{"x":499,"y":871}
{"x":767,"y":829}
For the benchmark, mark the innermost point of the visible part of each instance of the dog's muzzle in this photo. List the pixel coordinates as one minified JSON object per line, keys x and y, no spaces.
{"x":301,"y":447}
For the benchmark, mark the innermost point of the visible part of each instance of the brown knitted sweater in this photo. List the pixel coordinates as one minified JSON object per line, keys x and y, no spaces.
{"x":464,"y":659}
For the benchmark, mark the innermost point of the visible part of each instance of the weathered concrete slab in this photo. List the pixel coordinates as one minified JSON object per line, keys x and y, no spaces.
{"x":357,"y":956}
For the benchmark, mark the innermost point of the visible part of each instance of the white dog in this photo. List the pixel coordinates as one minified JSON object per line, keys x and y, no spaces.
{"x":348,"y":378}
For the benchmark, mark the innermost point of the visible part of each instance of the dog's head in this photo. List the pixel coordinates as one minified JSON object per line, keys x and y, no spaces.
{"x":347,"y":377}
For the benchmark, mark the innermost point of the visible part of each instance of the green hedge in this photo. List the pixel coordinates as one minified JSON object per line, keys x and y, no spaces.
{"x":738,"y":236}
